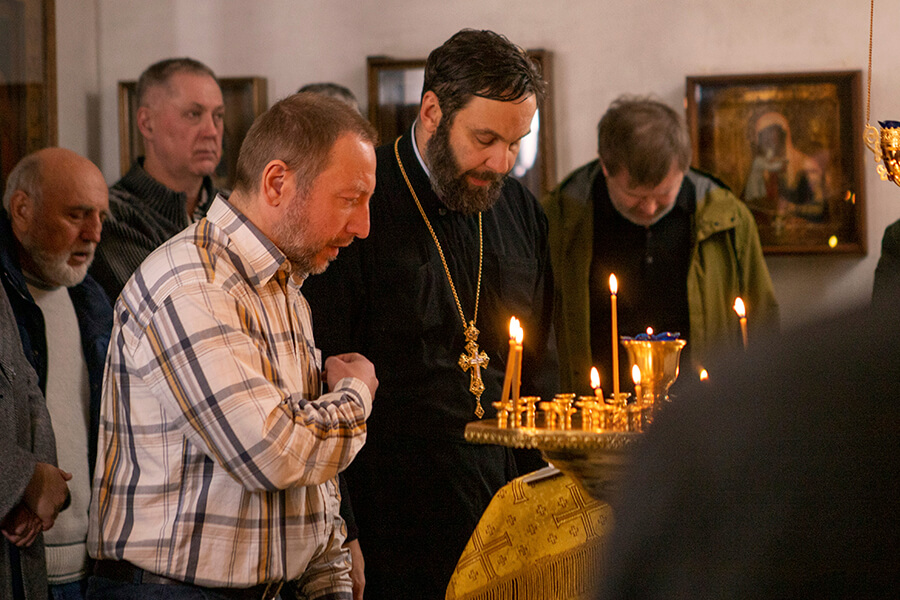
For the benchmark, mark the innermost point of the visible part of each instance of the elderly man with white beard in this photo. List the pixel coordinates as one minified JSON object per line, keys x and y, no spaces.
{"x":54,"y":207}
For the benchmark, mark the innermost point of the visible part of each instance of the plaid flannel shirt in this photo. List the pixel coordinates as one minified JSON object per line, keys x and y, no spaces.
{"x":217,"y":455}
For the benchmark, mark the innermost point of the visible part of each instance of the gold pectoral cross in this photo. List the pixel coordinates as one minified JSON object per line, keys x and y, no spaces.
{"x":473,"y":360}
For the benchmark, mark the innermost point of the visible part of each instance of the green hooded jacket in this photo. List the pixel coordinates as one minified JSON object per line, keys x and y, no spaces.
{"x":726,"y":262}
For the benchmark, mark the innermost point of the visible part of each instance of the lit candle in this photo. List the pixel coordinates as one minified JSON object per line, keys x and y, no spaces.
{"x":636,"y":377}
{"x":595,"y":383}
{"x":613,"y":290}
{"x":742,"y":314}
{"x":510,"y":360}
{"x":704,"y":375}
{"x":517,"y":372}
{"x":649,"y":331}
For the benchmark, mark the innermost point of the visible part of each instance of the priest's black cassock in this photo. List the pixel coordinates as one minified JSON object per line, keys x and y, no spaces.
{"x":417,"y":487}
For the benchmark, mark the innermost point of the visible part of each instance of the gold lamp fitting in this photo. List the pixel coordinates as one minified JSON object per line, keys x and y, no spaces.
{"x":885,"y":144}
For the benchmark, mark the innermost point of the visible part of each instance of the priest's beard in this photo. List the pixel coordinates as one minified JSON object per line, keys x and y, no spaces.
{"x":449,"y":182}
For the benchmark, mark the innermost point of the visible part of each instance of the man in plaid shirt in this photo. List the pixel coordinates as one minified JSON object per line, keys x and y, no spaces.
{"x":218,"y":452}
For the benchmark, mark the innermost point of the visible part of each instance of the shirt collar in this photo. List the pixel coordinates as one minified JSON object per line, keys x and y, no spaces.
{"x":415,"y":146}
{"x":261,"y":256}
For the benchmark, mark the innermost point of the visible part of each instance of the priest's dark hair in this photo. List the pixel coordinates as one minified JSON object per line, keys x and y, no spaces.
{"x":643,"y":136}
{"x":480,"y":63}
{"x":160,"y":72}
{"x":301,"y":131}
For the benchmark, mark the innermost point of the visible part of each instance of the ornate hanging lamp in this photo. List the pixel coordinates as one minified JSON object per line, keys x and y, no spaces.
{"x":885,"y":144}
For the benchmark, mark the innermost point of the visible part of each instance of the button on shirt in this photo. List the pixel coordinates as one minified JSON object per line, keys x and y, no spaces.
{"x":217,"y":455}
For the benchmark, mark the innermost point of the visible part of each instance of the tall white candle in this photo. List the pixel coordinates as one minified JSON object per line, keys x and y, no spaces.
{"x":636,"y":377}
{"x":517,"y":369}
{"x":742,"y":315}
{"x":613,"y":290}
{"x":595,"y":383}
{"x":510,"y":360}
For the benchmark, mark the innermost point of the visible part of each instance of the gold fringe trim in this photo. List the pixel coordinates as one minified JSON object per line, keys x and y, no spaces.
{"x":572,"y":575}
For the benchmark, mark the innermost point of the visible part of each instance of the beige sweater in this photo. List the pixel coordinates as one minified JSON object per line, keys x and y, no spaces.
{"x":68,"y":399}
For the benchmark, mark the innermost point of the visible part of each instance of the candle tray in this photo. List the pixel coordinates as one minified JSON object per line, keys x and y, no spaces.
{"x":596,"y":460}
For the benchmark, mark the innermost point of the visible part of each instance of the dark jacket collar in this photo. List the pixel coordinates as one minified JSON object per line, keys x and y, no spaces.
{"x":9,"y":258}
{"x":158,"y":197}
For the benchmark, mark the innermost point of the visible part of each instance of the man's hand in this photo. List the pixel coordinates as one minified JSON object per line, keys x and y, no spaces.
{"x":357,"y":569}
{"x":350,"y":365}
{"x":47,"y":492}
{"x":21,"y":526}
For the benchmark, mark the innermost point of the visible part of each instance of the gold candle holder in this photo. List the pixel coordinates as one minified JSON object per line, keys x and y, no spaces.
{"x":530,"y":410}
{"x":616,"y":416}
{"x":502,"y":413}
{"x":564,"y":409}
{"x":589,"y":410}
{"x":658,"y":363}
{"x":549,"y":410}
{"x":519,"y":410}
{"x":603,"y":417}
{"x":634,"y":417}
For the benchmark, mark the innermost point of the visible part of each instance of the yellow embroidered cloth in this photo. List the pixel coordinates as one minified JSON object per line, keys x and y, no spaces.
{"x":541,"y":537}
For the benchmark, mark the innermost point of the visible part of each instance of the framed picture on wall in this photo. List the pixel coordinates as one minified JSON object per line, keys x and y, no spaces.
{"x":790,"y":146}
{"x":395,"y":89}
{"x":245,"y":99}
{"x":27,"y":80}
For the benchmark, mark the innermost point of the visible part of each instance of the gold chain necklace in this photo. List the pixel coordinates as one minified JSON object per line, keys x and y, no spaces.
{"x":472,"y":359}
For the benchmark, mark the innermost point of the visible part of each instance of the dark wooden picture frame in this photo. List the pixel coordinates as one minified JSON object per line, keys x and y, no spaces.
{"x":394,"y":91}
{"x":245,"y":99}
{"x":28,"y":120}
{"x":790,"y":146}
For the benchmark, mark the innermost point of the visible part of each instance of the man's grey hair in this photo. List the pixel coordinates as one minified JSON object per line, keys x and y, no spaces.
{"x":158,"y":74}
{"x":334,"y":90}
{"x":25,"y":176}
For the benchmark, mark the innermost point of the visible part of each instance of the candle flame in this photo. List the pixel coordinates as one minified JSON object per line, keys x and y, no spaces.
{"x":595,"y":378}
{"x":613,"y":284}
{"x":636,"y":374}
{"x":704,"y":374}
{"x":515,"y":330}
{"x":739,"y":307}
{"x":649,"y":331}
{"x":833,"y":241}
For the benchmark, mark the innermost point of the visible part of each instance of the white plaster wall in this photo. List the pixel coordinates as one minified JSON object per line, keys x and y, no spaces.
{"x":601,"y":48}
{"x":78,"y":77}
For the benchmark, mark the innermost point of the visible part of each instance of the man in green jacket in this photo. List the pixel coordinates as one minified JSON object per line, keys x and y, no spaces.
{"x":681,"y":245}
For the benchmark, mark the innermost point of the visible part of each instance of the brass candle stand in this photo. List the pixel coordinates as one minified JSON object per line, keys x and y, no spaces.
{"x":588,"y":437}
{"x":595,"y":459}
